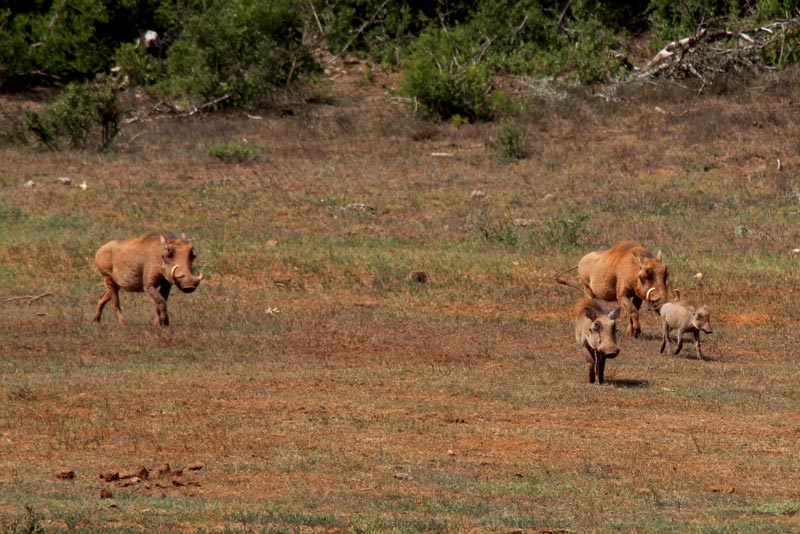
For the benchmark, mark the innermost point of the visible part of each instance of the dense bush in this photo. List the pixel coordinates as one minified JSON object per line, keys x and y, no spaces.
{"x":71,"y":117}
{"x":58,"y":41}
{"x":450,"y":49}
{"x":239,"y":48}
{"x":445,"y":75}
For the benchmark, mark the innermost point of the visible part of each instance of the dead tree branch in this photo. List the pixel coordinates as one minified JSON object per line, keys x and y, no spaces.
{"x":712,"y":51}
{"x":30,"y":298}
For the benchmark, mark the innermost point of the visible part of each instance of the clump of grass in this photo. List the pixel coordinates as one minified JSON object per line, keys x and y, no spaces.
{"x":778,"y":508}
{"x":510,"y":142}
{"x":560,"y":233}
{"x":30,"y":523}
{"x":502,"y":233}
{"x":235,"y":152}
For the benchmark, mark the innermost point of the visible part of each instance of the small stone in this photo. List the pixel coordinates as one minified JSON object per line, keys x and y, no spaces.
{"x":478,"y":194}
{"x":29,"y":183}
{"x":66,"y":180}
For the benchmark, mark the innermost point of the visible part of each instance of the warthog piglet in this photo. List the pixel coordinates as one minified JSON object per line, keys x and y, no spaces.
{"x":684,"y":317}
{"x":596,"y":334}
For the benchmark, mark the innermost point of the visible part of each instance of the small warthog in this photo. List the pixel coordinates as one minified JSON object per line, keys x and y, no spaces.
{"x":596,"y":334}
{"x":684,"y":317}
{"x":627,"y":273}
{"x":151,"y":263}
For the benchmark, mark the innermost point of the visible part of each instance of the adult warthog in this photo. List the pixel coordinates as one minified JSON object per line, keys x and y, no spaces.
{"x":153,"y":263}
{"x":627,"y":273}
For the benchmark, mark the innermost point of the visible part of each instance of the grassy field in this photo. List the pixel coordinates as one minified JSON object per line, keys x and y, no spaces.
{"x":313,"y":383}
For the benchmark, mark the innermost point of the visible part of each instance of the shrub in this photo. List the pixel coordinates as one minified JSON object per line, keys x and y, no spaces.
{"x":445,"y":75}
{"x":240,"y":48}
{"x":510,"y":141}
{"x":141,"y":68}
{"x":74,"y":113}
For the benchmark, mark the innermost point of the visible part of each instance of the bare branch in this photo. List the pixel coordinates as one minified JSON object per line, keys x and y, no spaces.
{"x":30,"y":298}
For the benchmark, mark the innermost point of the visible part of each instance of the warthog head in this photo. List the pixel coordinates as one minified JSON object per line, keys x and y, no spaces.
{"x":701,"y":320}
{"x":651,"y":280}
{"x":176,"y":263}
{"x":601,"y":334}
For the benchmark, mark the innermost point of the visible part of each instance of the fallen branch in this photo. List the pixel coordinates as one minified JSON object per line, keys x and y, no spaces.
{"x":30,"y":298}
{"x":713,"y":51}
{"x":203,"y":107}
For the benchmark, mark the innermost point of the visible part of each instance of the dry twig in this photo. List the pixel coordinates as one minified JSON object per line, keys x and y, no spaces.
{"x":30,"y":298}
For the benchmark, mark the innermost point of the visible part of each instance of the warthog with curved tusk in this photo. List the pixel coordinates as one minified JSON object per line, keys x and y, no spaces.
{"x":627,"y":273}
{"x":153,"y":263}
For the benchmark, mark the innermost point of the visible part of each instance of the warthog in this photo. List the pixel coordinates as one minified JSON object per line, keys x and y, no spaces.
{"x":627,"y":273}
{"x":151,"y":263}
{"x":596,"y":334}
{"x":685,"y":317}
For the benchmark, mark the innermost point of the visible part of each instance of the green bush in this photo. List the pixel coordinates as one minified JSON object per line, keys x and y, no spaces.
{"x":510,"y":141}
{"x":446,"y":76}
{"x":234,"y":153}
{"x":141,"y":68}
{"x":240,"y":48}
{"x":71,"y":117}
{"x":384,"y":30}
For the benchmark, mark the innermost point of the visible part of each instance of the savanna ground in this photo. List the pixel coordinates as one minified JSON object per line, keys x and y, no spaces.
{"x":311,"y":385}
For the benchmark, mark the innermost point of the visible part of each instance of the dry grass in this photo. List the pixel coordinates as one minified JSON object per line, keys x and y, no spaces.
{"x":372,"y":402}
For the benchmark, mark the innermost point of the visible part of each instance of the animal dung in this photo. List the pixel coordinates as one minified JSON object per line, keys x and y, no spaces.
{"x":66,"y":475}
{"x":420,"y":277}
{"x":110,"y":476}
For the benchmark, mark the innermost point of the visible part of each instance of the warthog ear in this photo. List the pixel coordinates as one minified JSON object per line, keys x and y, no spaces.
{"x":614,"y":314}
{"x":590,"y":313}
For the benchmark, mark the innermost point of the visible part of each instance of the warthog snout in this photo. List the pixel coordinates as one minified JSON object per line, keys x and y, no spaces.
{"x":184,"y":279}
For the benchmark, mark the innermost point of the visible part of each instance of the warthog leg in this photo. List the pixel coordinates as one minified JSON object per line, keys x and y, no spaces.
{"x":697,"y":345}
{"x":112,"y":294}
{"x":159,"y":296}
{"x":631,"y":305}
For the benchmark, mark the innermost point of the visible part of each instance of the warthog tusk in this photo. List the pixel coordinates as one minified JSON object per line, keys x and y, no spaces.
{"x":200,"y":277}
{"x":172,"y":272}
{"x":647,"y":295}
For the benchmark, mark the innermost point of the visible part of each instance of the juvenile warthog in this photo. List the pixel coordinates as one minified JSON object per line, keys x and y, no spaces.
{"x":151,"y":263}
{"x":627,"y":273}
{"x":596,"y":334}
{"x":685,"y":317}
